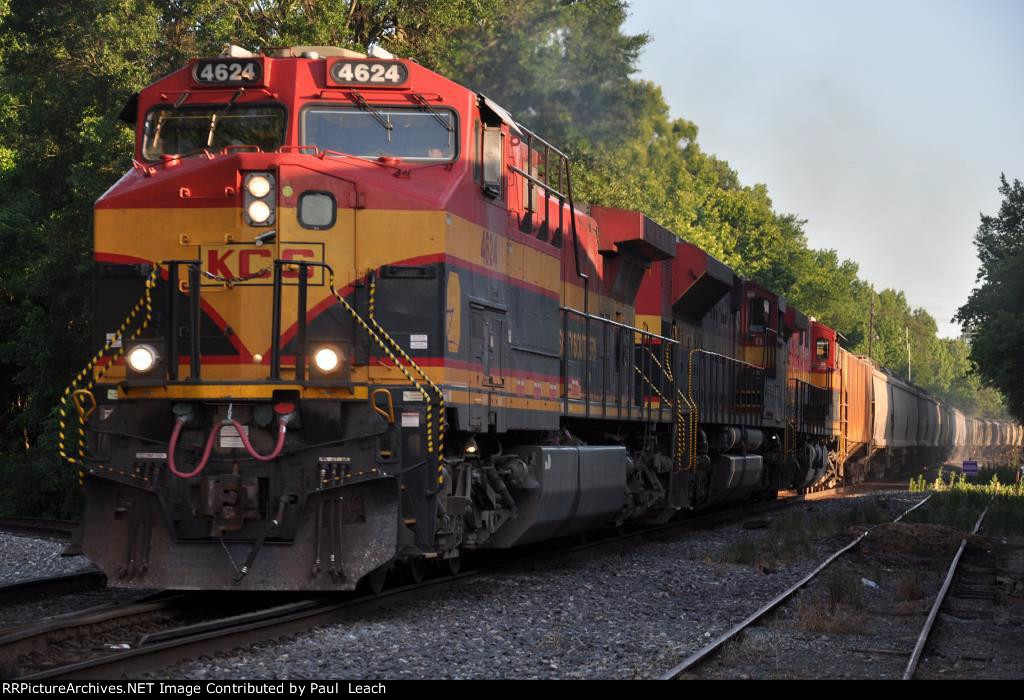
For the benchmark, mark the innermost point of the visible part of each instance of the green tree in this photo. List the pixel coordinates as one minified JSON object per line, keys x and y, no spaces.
{"x":562,"y":67}
{"x":419,"y":29}
{"x":66,"y":69}
{"x":993,"y":317}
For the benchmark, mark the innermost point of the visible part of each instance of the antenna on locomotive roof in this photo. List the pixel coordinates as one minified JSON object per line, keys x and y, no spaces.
{"x":232,"y":51}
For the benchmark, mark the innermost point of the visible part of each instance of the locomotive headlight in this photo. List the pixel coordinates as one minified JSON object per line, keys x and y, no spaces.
{"x":259,"y":211}
{"x":327,"y":359}
{"x":142,"y":358}
{"x":259,"y":198}
{"x":258,"y":186}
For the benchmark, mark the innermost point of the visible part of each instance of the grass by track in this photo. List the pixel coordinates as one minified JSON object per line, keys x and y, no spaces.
{"x":956,"y":502}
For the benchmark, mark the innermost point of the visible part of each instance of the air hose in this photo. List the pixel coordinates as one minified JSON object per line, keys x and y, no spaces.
{"x":258,"y":544}
{"x":282,"y":428}
{"x":284,"y":411}
{"x":173,"y":444}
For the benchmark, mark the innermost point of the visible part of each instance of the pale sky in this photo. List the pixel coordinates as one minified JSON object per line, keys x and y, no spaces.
{"x":885,"y":124}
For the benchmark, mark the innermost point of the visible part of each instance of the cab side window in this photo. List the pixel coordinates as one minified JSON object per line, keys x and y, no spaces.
{"x":492,"y":162}
{"x":477,"y":162}
{"x":821,"y":350}
{"x":759,"y":313}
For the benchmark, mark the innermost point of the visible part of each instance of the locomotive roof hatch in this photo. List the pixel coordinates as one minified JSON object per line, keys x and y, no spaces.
{"x":699,"y":281}
{"x":629,"y":242}
{"x":626,"y":231}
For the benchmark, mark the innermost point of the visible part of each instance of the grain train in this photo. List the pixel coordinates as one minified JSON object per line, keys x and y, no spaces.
{"x":352,"y":321}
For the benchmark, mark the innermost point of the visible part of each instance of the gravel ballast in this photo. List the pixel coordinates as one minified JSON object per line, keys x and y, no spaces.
{"x":23,"y":558}
{"x":627,"y":613}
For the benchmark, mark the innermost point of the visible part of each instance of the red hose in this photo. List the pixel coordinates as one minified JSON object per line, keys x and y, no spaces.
{"x":282,"y":429}
{"x":175,"y":434}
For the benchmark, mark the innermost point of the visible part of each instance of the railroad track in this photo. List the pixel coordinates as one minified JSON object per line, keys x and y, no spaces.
{"x":982,"y":589}
{"x":50,"y":586}
{"x":144,"y":636}
{"x":39,"y":527}
{"x":922,"y":638}
{"x":709,"y":650}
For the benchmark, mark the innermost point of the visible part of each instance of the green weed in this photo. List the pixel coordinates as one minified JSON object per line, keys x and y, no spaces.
{"x":958,"y":503}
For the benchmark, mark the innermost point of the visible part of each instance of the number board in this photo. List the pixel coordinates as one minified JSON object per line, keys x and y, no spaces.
{"x":370,"y":73}
{"x":228,"y":71}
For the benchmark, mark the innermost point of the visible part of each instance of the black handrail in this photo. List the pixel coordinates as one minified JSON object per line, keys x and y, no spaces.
{"x":809,"y":405}
{"x":300,"y":331}
{"x":171,"y":331}
{"x":727,"y":390}
{"x":645,"y":367}
{"x":194,"y":291}
{"x":172,"y":334}
{"x":301,"y":313}
{"x":275,"y":325}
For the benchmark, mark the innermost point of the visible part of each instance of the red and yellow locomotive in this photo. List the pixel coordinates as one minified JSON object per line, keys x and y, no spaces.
{"x":353,"y":319}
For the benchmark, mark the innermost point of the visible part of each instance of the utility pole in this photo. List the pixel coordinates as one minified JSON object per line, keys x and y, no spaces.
{"x":871,"y":326}
{"x":909,"y":378}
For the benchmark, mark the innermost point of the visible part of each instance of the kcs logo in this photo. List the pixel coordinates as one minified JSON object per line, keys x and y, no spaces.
{"x":254,"y":265}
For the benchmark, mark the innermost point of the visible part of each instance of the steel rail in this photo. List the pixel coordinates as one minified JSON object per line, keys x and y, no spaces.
{"x":922,"y":638}
{"x":160,"y":649}
{"x":716,"y":644}
{"x":35,"y":638}
{"x":50,"y":586}
{"x":48,"y":527}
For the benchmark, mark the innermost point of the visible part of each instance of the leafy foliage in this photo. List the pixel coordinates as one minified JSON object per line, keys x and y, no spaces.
{"x":994,"y":314}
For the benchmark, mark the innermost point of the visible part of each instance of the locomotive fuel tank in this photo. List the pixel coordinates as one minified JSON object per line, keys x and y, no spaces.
{"x":569,"y":490}
{"x":734,"y":478}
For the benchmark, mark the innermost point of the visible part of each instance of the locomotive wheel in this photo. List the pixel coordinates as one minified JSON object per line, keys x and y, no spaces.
{"x":374,"y":581}
{"x":416,"y":569}
{"x":452,"y":566}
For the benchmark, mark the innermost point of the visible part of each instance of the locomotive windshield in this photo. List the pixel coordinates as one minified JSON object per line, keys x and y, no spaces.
{"x":370,"y":133}
{"x":183,"y":130}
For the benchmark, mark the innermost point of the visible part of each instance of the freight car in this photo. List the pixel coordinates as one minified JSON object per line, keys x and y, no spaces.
{"x":352,"y":319}
{"x":883,"y":424}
